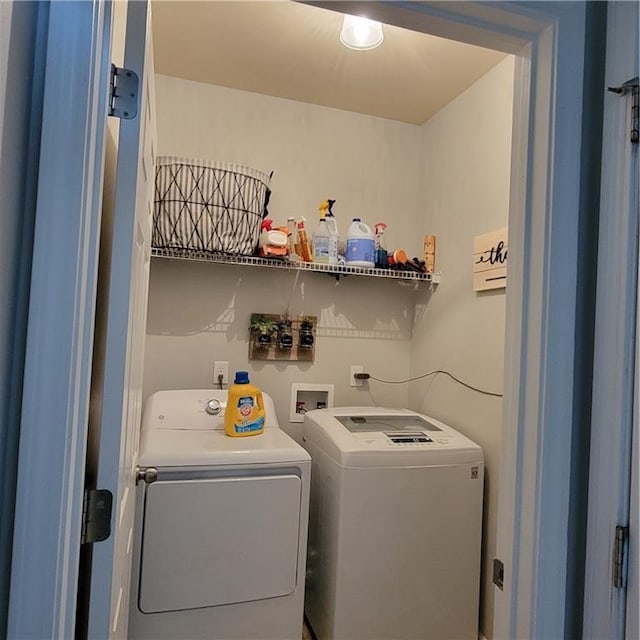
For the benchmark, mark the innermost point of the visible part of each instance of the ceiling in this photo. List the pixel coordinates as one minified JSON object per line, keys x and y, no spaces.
{"x":292,"y":50}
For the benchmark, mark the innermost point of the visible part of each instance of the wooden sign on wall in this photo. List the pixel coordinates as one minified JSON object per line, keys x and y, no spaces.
{"x":490,"y":260}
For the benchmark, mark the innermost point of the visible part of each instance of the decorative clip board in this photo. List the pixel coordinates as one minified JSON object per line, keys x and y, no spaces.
{"x":277,"y":337}
{"x":490,"y":260}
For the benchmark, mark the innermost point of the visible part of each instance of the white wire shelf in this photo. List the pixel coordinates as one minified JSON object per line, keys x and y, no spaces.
{"x":275,"y":263}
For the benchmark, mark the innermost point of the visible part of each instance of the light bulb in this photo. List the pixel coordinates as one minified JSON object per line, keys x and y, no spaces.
{"x":361,"y":33}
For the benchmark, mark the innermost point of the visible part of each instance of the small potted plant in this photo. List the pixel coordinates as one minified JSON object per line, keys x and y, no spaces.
{"x":305,"y":340}
{"x":262,"y":329}
{"x":285,"y":335}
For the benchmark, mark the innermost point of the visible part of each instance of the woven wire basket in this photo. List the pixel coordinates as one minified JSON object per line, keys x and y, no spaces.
{"x":208,"y":206}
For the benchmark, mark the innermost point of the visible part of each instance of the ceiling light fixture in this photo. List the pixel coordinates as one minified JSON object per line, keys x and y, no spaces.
{"x":361,"y":33}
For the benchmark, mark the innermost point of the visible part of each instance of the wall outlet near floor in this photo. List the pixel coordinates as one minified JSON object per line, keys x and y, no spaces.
{"x":220,"y":368}
{"x":356,"y":368}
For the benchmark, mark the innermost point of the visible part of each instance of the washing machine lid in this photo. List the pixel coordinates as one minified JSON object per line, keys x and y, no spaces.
{"x":379,"y":437}
{"x":400,"y":424}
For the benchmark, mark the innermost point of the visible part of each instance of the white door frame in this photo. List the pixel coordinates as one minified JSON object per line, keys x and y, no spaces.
{"x":548,"y":39}
{"x":632,"y":622}
{"x":615,"y":336}
{"x":540,"y":377}
{"x":44,"y":573}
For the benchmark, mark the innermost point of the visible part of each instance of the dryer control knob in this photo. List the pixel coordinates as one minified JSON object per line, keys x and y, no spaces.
{"x":213,"y":407}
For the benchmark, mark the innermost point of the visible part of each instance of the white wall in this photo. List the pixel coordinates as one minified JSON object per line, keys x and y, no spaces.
{"x":199,"y":313}
{"x":466,"y":191}
{"x":367,"y":164}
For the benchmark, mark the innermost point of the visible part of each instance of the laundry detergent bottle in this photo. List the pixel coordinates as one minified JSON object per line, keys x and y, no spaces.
{"x":244,"y":415}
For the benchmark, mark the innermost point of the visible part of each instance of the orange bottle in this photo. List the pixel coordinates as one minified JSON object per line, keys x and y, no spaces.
{"x":304,"y":248}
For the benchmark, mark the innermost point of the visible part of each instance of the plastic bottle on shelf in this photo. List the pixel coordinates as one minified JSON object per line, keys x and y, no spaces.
{"x":381,"y":252}
{"x":291,"y":243}
{"x":304,"y":250}
{"x":321,"y":240}
{"x":361,"y":249}
{"x":332,"y":226}
{"x":244,"y":414}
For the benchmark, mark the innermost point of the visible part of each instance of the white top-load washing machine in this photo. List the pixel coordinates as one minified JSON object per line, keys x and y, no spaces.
{"x":221,"y":525}
{"x":395,"y":526}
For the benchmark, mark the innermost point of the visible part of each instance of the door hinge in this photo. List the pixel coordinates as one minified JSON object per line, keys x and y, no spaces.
{"x":498,"y":573}
{"x":96,"y":515}
{"x":123,"y":93}
{"x":620,"y":546}
{"x":632,"y":87}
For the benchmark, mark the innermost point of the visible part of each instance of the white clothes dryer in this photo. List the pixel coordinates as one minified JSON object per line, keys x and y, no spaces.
{"x":395,"y":526}
{"x":221,"y":525}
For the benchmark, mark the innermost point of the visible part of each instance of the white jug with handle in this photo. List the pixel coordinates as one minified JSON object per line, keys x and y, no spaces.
{"x":361,"y":249}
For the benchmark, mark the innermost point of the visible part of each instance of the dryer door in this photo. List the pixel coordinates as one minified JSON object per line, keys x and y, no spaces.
{"x":219,"y":541}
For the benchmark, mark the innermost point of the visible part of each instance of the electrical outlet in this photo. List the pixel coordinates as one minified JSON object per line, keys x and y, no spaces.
{"x":356,"y":368}
{"x":220,"y":367}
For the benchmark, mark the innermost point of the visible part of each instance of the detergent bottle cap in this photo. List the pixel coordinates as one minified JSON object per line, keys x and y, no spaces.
{"x":242,"y":377}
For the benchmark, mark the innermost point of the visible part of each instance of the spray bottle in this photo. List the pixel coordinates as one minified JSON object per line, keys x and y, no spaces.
{"x":332,"y":226}
{"x":381,"y":252}
{"x":321,"y":240}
